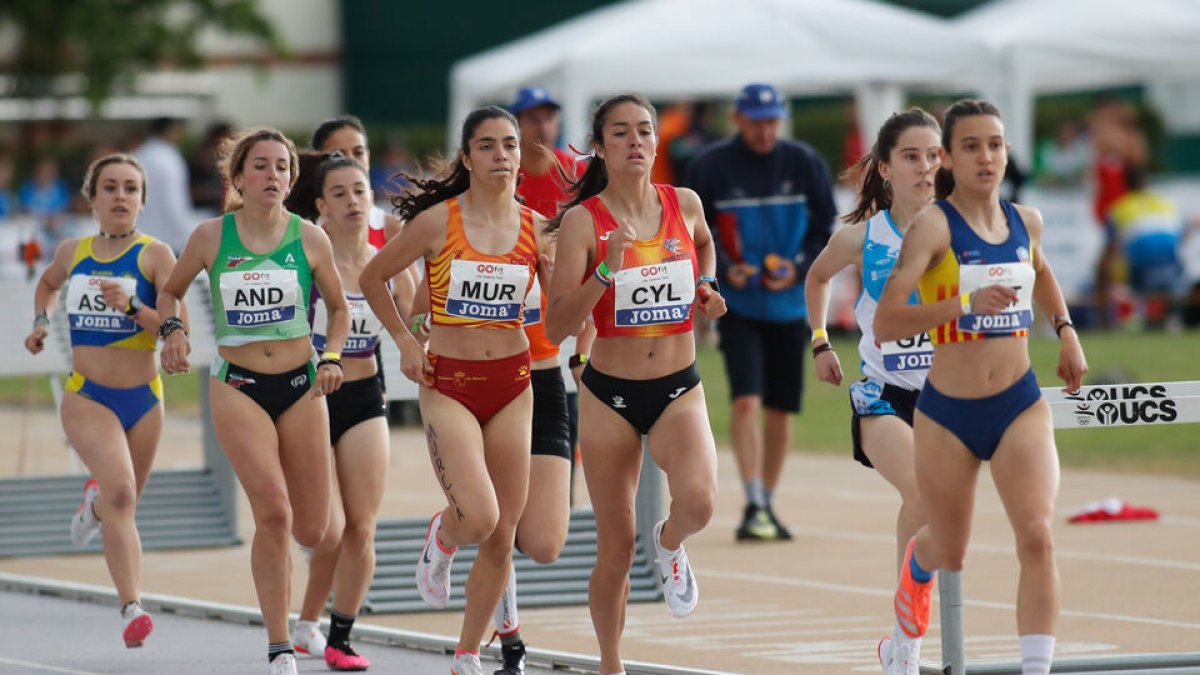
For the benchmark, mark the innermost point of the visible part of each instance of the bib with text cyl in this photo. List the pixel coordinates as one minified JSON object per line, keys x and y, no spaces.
{"x":654,"y":294}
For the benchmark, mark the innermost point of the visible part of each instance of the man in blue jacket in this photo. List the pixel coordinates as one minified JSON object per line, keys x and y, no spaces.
{"x":769,"y":203}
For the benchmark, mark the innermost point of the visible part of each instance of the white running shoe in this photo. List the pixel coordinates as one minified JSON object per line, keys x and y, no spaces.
{"x":466,"y":664}
{"x":85,"y":525}
{"x":433,"y":568}
{"x":675,"y":572}
{"x":308,"y":639}
{"x":138,"y":624}
{"x":284,"y":664}
{"x":900,"y":657}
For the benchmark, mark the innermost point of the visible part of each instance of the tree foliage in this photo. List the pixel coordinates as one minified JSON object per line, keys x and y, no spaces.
{"x":108,"y":41}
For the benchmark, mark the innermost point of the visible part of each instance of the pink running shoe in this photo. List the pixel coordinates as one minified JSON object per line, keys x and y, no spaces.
{"x":138,"y":624}
{"x":913,"y":600}
{"x":85,"y":525}
{"x":345,"y":658}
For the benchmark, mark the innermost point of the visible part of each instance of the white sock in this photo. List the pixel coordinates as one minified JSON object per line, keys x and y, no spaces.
{"x":898,"y":636}
{"x":506,"y":618}
{"x":1037,"y":651}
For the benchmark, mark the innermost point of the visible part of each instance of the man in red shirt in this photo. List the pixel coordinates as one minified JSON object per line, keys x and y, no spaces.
{"x":542,"y":185}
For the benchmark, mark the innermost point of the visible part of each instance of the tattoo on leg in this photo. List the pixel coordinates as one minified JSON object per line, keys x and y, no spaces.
{"x":439,"y":468}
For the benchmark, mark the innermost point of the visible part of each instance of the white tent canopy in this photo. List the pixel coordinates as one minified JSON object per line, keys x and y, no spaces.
{"x":711,"y":48}
{"x":1045,"y":46}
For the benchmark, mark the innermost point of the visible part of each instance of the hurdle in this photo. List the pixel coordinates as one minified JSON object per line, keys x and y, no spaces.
{"x":1093,"y":406}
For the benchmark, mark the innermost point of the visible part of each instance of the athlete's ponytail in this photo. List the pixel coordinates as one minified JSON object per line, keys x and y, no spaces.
{"x":595,"y":178}
{"x":451,"y":178}
{"x":943,"y":183}
{"x":874,"y":193}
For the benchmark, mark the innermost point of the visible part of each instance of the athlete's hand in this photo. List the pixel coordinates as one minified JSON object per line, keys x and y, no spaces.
{"x":739,"y":274}
{"x":619,"y":240}
{"x":36,"y":341}
{"x":329,"y":380}
{"x":709,"y":302}
{"x":114,"y":296}
{"x":828,"y":367}
{"x":414,"y":363}
{"x":992,"y":299}
{"x":1072,"y":365}
{"x":175,"y":352}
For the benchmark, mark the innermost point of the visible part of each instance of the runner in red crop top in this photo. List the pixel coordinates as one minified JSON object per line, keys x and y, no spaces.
{"x":640,"y":257}
{"x":481,"y":248}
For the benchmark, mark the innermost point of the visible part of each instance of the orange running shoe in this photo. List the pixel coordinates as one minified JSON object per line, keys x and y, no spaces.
{"x":913,"y":598}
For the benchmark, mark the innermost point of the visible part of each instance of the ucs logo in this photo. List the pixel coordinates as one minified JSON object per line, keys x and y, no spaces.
{"x":1129,"y":412}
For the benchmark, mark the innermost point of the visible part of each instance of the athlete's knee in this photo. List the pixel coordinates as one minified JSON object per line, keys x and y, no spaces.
{"x":696,"y":503}
{"x":311,"y":532}
{"x":275,"y":516}
{"x":616,"y":551}
{"x":950,"y":556}
{"x":120,"y":497}
{"x":358,"y":534}
{"x":544,"y":549}
{"x":1035,"y":541}
{"x":477,"y":527}
{"x":747,"y":406}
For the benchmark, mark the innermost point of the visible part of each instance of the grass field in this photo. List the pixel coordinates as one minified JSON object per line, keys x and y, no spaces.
{"x":824,"y":424}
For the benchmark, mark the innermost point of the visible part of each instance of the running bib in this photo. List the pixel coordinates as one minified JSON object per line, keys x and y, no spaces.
{"x":364,"y":327}
{"x":654,"y":294}
{"x":533,"y":303}
{"x":259,"y":297}
{"x":1016,"y":275}
{"x":907,"y":355}
{"x":486,"y":290}
{"x":86,"y":309}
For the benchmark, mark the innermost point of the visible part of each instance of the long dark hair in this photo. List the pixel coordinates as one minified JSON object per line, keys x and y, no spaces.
{"x":452,"y":178}
{"x":595,"y":178}
{"x":874,"y":193}
{"x":314,"y":167}
{"x":943,"y":183}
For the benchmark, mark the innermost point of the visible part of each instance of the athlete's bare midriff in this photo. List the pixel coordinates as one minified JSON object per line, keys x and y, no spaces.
{"x":978,"y":368}
{"x":643,"y":358}
{"x":477,"y":344}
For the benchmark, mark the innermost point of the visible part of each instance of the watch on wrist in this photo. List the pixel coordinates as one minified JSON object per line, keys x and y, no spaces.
{"x":711,"y":280}
{"x":577,"y":360}
{"x":135,"y":306}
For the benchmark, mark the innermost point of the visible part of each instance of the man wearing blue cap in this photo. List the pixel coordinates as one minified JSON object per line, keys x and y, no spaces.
{"x":769,"y":203}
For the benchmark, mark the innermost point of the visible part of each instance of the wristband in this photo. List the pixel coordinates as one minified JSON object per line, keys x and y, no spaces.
{"x":606,"y":281}
{"x":331,"y":356}
{"x":577,"y":360}
{"x":325,"y":361}
{"x":602,"y":270}
{"x":169,"y":325}
{"x":819,"y":334}
{"x":418,"y":322}
{"x":821,"y":349}
{"x":710,"y":280}
{"x":964,"y":300}
{"x":1061,"y":324}
{"x":41,"y":320}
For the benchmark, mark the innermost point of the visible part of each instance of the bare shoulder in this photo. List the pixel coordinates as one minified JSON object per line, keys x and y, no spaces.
{"x":849,"y":237}
{"x":929,"y":224}
{"x":576,"y":223}
{"x":689,"y":201}
{"x":430,"y":220}
{"x":1034,"y":223}
{"x":207,"y":230}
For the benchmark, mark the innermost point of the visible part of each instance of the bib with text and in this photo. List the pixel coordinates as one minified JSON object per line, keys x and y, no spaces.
{"x":87,"y":310}
{"x":533,"y":304}
{"x":259,"y":297}
{"x":654,"y":294}
{"x":1018,"y":276}
{"x":486,"y":290}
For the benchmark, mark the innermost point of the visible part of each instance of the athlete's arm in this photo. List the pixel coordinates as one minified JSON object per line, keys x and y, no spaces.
{"x":570,"y":301}
{"x":45,"y":295}
{"x":844,"y":248}
{"x":197,"y":255}
{"x":420,"y":238}
{"x":708,"y":299}
{"x":159,"y":261}
{"x":925,"y":244}
{"x":319,"y":252}
{"x":1072,"y":365}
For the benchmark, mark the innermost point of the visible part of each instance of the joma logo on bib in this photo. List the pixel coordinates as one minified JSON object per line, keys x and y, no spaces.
{"x":654,"y":294}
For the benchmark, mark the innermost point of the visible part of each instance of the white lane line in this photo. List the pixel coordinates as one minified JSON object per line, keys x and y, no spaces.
{"x":49,"y":669}
{"x":1138,"y":561}
{"x":863,"y":590}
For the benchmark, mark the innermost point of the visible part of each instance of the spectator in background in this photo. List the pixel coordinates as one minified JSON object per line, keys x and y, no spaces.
{"x":771,"y":205}
{"x":1143,"y":229}
{"x":45,"y":198}
{"x":684,"y":148}
{"x":8,"y":199}
{"x":205,"y":184}
{"x":673,"y":122}
{"x":168,"y":215}
{"x":545,"y":169}
{"x":387,"y":177}
{"x":1117,"y":143}
{"x":1063,"y":161}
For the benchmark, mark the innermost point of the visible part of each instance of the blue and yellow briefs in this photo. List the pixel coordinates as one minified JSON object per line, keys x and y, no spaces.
{"x":129,"y":405}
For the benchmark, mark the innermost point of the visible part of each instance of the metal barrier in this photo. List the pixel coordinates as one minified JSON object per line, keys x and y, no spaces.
{"x":1108,"y":405}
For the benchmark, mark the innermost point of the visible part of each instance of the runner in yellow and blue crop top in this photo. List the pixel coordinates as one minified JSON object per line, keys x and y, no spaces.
{"x":112,"y":410}
{"x":895,"y":183}
{"x":639,"y":258}
{"x":481,"y":249}
{"x":338,"y":189}
{"x":262,"y":263}
{"x":978,"y":265}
